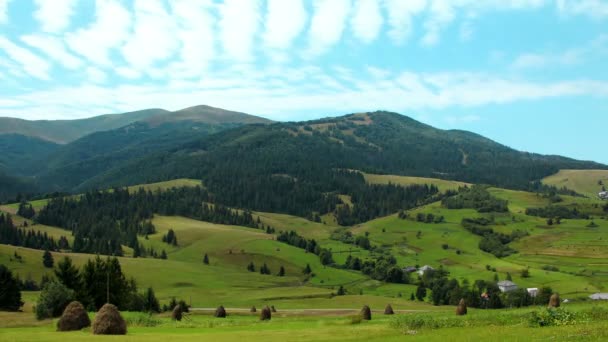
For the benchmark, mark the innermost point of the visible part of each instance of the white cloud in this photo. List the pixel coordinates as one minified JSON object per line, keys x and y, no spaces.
{"x":239,"y":24}
{"x":32,"y":64}
{"x":441,"y":14}
{"x":109,"y":30}
{"x":196,"y":35}
{"x":54,"y":15}
{"x":367,"y":20}
{"x":153,"y":35}
{"x":592,"y":8}
{"x":285,"y":20}
{"x":400,"y":17}
{"x":4,"y":11}
{"x":96,"y":75}
{"x":596,"y":48}
{"x":327,"y":24}
{"x":54,"y":48}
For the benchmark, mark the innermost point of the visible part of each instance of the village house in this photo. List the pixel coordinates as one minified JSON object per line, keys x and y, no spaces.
{"x":603,"y":195}
{"x":410,"y":269}
{"x":424,"y":269}
{"x":506,"y":286}
{"x":599,"y":296}
{"x":532,"y":291}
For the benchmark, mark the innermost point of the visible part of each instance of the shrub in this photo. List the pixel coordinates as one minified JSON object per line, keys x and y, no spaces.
{"x":266,"y":314}
{"x":176,"y":314}
{"x":220,"y":312}
{"x":10,"y":296}
{"x":461,"y":309}
{"x":74,"y":317}
{"x":272,"y":308}
{"x":366,"y":313}
{"x":53,"y":300}
{"x":554,"y":301}
{"x":389,"y":310}
{"x":253,"y":309}
{"x":108,"y":321}
{"x":551,"y":317}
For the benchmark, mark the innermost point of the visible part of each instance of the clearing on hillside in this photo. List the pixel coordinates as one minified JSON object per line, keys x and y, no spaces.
{"x":586,"y":182}
{"x":442,"y":184}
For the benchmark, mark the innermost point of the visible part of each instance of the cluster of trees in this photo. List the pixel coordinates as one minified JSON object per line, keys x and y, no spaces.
{"x":481,"y":294}
{"x":309,"y":245}
{"x":170,"y":238}
{"x":10,"y":293}
{"x":11,"y":235}
{"x":264,"y":269}
{"x":346,"y":236}
{"x":26,"y":210}
{"x":476,"y":197}
{"x":102,"y":221}
{"x":429,"y":218}
{"x":383,"y":267}
{"x":492,"y":242}
{"x":557,"y":211}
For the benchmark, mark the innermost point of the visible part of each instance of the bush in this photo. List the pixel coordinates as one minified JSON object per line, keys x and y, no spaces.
{"x":220,"y":312}
{"x":53,"y":300}
{"x":10,"y":296}
{"x":253,"y":309}
{"x":551,"y":317}
{"x":108,"y":321}
{"x":272,"y":308}
{"x":388,"y":310}
{"x":366,"y":313}
{"x":74,"y":317}
{"x":461,"y":309}
{"x":266,"y":314}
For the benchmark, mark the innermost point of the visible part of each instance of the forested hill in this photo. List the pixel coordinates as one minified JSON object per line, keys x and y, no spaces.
{"x":306,"y":154}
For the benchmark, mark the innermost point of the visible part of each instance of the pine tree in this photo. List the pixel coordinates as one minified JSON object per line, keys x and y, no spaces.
{"x":251,"y":267}
{"x":47,"y":259}
{"x":206,"y":259}
{"x":341,"y":291}
{"x":281,"y":272}
{"x":307,"y":269}
{"x":163,"y":254}
{"x":67,"y":274}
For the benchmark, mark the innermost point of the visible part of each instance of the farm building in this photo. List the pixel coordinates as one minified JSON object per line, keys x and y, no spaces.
{"x":599,"y":296}
{"x":410,"y":269}
{"x":424,"y":269}
{"x":532,"y":291}
{"x":506,"y":286}
{"x":603,"y":195}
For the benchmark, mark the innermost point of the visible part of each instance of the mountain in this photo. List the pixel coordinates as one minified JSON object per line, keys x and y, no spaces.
{"x":65,"y":131}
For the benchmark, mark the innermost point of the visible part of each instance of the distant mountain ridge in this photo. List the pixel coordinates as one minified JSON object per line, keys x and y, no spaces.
{"x":65,"y":131}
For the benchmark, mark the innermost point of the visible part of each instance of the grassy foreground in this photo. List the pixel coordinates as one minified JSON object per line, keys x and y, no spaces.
{"x":479,"y":325}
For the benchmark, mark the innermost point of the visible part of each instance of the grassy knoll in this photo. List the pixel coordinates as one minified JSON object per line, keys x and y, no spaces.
{"x":503,"y":325}
{"x":582,"y":181}
{"x":175,"y":183}
{"x":442,"y":184}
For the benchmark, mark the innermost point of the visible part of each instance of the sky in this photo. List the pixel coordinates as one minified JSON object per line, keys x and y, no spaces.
{"x":531,"y":74}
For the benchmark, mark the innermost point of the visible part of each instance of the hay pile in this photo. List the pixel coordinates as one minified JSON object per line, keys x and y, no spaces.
{"x":461,"y":309}
{"x":366,"y":313}
{"x":176,"y":314}
{"x":253,"y":309}
{"x":266,"y":314}
{"x":389,"y":310}
{"x":108,"y":321}
{"x":554,"y":301}
{"x":74,"y":317}
{"x":220,"y":312}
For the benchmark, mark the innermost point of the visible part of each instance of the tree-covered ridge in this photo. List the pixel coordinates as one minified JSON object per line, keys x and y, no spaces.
{"x":476,"y":197}
{"x":102,"y":221}
{"x":30,"y":238}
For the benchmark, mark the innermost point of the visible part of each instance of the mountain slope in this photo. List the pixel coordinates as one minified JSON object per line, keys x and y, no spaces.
{"x":20,"y":154}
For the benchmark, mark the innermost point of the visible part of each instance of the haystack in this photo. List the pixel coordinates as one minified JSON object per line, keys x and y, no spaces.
{"x":176,"y":314}
{"x":554,"y":301}
{"x":220,"y":312}
{"x":389,"y":310}
{"x":74,"y":317}
{"x":265,"y":314}
{"x":461,"y":309}
{"x":108,"y":321}
{"x":366,"y":313}
{"x":253,"y":309}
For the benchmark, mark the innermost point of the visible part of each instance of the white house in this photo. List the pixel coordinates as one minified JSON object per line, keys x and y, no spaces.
{"x":599,"y":296}
{"x":532,"y":291}
{"x":424,"y":269}
{"x":603,"y":195}
{"x":506,"y":286}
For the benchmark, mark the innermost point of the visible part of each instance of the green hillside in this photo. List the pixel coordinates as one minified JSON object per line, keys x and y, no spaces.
{"x":587,"y":182}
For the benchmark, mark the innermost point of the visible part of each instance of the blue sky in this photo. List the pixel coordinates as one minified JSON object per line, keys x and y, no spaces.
{"x":531,"y":74}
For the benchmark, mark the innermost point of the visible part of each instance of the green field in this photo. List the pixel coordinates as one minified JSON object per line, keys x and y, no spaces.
{"x":442,"y":184}
{"x":582,"y":181}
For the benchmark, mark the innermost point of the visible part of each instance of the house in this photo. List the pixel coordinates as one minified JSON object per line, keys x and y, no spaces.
{"x":506,"y":286}
{"x":599,"y":296}
{"x":603,"y":195}
{"x":424,"y":268}
{"x":410,"y":269}
{"x":532,"y":291}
